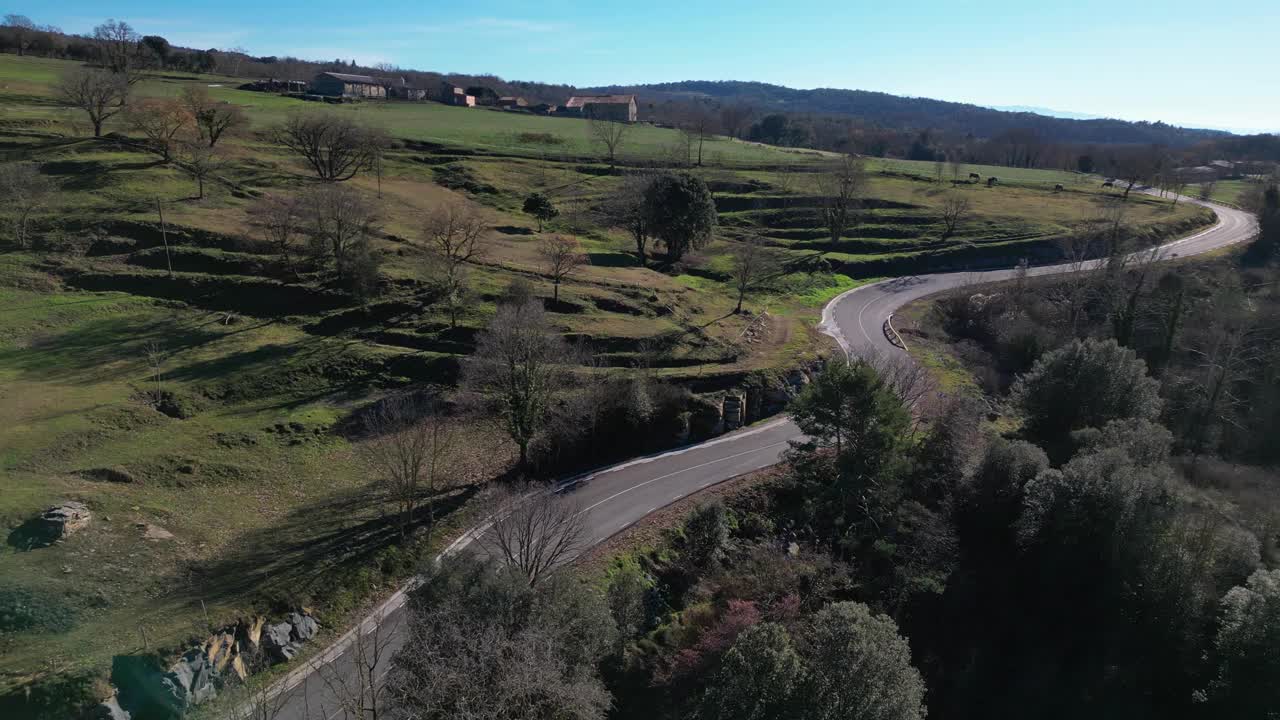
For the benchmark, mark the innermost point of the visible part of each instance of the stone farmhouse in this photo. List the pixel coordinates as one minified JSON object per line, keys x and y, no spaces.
{"x":348,"y":86}
{"x":609,"y":107}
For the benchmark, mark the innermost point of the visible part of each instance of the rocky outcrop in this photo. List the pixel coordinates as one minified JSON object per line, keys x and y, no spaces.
{"x":278,"y":642}
{"x":228,"y":655}
{"x":188,"y":682}
{"x":62,"y":520}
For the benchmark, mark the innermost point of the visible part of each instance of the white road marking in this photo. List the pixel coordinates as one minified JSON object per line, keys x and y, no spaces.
{"x":624,"y":491}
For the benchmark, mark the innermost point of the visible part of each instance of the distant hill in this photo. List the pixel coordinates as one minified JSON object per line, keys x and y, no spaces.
{"x":904,"y":113}
{"x":1047,"y":112}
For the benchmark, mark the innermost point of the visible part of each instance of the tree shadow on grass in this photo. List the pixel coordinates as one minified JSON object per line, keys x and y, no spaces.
{"x":94,"y":346}
{"x":612,"y":259}
{"x":316,"y":545}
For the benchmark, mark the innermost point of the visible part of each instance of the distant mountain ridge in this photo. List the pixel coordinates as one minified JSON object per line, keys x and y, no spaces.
{"x":899,"y":112}
{"x":1047,"y":112}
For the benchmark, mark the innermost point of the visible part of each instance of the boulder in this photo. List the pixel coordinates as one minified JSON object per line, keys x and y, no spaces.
{"x":304,"y":626}
{"x":189,"y":681}
{"x":278,"y":642}
{"x":65,"y":519}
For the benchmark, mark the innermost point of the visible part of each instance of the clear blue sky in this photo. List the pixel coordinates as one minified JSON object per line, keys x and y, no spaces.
{"x":1213,"y":64}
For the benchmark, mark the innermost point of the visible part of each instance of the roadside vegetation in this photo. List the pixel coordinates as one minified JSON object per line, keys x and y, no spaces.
{"x":226,"y":317}
{"x":1092,"y":534}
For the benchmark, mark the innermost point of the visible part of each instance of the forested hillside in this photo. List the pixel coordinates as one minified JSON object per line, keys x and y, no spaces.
{"x":895,"y":111}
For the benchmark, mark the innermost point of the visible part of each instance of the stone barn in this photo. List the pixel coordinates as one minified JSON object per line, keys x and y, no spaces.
{"x":610,"y":107}
{"x":348,"y":86}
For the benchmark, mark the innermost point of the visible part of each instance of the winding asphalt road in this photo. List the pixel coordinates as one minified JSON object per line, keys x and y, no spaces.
{"x":618,"y":496}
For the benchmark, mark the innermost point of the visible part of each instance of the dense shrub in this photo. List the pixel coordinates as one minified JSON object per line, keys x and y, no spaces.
{"x":22,"y":610}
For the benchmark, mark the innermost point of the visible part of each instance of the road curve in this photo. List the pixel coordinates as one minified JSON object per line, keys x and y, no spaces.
{"x":857,"y":318}
{"x":616,"y":497}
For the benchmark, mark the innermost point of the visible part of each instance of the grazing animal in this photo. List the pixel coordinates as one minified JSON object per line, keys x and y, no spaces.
{"x":975,"y":177}
{"x":991,"y":181}
{"x":1058,"y":188}
{"x":1109,"y":184}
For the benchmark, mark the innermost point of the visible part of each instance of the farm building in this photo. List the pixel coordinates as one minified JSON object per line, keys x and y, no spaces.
{"x":351,"y":86}
{"x":483,"y":95}
{"x":512,"y":102}
{"x":451,"y":94}
{"x":276,"y":85}
{"x":400,"y":89}
{"x":610,"y":107}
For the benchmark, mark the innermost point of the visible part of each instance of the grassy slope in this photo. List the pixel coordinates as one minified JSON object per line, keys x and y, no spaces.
{"x":255,"y":511}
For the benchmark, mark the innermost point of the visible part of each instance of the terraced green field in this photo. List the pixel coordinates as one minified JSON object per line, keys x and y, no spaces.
{"x":253,"y":473}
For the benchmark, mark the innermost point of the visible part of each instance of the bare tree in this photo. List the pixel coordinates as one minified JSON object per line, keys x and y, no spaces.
{"x":281,"y":221}
{"x":1122,"y":286}
{"x":842,"y":185}
{"x":358,"y":689}
{"x":625,"y":209}
{"x":955,"y":210}
{"x":23,"y":29}
{"x":102,"y":95}
{"x":343,"y":221}
{"x":212,"y":119}
{"x":561,"y":257}
{"x":162,"y":121}
{"x":120,"y":49}
{"x":408,"y":447}
{"x":155,"y":361}
{"x":454,"y":234}
{"x":750,"y":266}
{"x":519,"y":364}
{"x":484,"y":645}
{"x":1206,"y":189}
{"x":1225,"y":350}
{"x":200,"y":161}
{"x":536,"y":530}
{"x":23,"y":192}
{"x":608,"y":133}
{"x":697,"y":123}
{"x":939,"y":168}
{"x":909,"y":380}
{"x":1073,"y":291}
{"x":336,"y":147}
{"x":1110,"y":224}
{"x":735,"y":118}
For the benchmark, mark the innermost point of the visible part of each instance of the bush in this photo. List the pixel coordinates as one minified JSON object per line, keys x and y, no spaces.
{"x":22,"y":610}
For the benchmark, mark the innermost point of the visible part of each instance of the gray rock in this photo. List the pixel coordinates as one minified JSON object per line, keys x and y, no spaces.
{"x":109,"y":710}
{"x":277,"y":641}
{"x":62,"y":520}
{"x":190,"y":681}
{"x":304,"y":626}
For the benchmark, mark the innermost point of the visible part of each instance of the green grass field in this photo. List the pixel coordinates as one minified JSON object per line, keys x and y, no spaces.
{"x":1226,"y":191}
{"x":262,"y":495}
